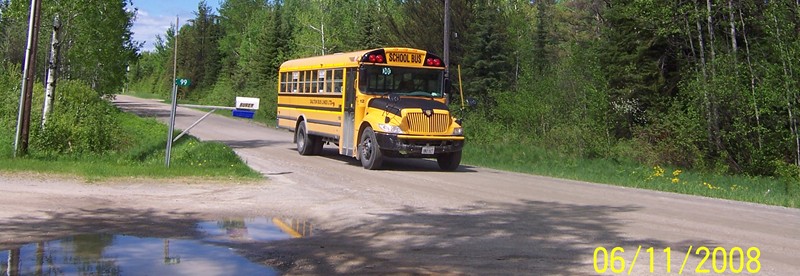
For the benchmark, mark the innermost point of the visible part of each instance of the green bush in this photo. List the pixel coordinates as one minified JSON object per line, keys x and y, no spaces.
{"x":81,"y":122}
{"x":9,"y":104}
{"x":789,"y":174}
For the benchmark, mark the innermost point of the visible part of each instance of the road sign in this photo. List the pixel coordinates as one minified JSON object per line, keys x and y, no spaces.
{"x":183,"y":82}
{"x":247,"y":103}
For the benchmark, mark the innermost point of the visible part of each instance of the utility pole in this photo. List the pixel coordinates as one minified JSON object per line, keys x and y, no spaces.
{"x":447,"y":37}
{"x":50,"y":91}
{"x":26,"y":93}
{"x":174,"y":95}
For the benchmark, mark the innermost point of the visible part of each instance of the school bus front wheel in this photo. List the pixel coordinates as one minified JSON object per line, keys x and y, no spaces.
{"x":449,"y":161}
{"x":370,"y":152}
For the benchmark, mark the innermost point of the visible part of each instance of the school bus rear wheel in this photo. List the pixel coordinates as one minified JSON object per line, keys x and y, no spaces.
{"x":305,"y":145}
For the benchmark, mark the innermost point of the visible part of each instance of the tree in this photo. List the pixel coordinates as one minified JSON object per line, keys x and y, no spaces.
{"x":419,"y":24}
{"x":198,"y":48}
{"x":234,"y":18}
{"x":640,"y":58}
{"x":488,"y":67}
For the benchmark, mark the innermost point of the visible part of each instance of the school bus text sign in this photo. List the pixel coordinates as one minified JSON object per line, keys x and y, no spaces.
{"x":404,"y":58}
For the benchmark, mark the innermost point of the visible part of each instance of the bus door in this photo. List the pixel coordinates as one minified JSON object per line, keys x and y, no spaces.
{"x":348,"y":124}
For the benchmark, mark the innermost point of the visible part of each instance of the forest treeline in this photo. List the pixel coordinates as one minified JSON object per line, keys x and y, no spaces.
{"x":701,"y":84}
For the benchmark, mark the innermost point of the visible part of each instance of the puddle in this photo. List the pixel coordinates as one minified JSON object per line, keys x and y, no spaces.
{"x":259,"y":229}
{"x":116,"y":254}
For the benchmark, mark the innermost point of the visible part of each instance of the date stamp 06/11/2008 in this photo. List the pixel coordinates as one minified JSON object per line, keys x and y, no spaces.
{"x":716,"y":260}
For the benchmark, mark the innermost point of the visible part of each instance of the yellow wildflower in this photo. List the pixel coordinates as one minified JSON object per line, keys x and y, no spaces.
{"x":658,"y":171}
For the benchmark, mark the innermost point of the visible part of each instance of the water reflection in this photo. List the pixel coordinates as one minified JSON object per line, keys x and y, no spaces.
{"x":129,"y":255}
{"x":110,"y":254}
{"x":254,"y":229}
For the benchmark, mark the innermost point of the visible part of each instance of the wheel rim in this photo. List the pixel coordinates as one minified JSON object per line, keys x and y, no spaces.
{"x":366,"y":150}
{"x":301,"y":141}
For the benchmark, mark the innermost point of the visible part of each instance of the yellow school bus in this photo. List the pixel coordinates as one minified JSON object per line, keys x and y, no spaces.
{"x":387,"y":102}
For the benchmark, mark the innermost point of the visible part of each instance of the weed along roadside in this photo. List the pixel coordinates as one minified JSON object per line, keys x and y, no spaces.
{"x":78,"y":141}
{"x":533,"y":160}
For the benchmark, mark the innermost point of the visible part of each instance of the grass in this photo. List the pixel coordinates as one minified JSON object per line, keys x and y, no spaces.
{"x":141,"y":153}
{"x":145,"y":95}
{"x":533,"y":160}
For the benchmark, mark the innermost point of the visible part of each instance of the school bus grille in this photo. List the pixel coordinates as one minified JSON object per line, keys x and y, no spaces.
{"x":419,"y":123}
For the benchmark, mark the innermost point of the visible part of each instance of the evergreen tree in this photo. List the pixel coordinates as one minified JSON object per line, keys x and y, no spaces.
{"x":487,"y":67}
{"x":639,"y":60}
{"x":198,"y":48}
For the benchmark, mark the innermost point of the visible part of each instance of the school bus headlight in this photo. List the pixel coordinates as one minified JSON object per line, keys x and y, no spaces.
{"x":458,"y":131}
{"x":391,"y":128}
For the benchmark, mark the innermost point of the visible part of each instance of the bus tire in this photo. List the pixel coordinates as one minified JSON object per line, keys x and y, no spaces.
{"x":368,"y":150}
{"x":318,"y":144}
{"x":449,"y":161}
{"x":305,"y":146}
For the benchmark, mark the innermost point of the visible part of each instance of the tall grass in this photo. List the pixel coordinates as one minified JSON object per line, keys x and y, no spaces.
{"x":526,"y":158}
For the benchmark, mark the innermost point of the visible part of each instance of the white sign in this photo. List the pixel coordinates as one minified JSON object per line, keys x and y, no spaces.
{"x":247,"y":103}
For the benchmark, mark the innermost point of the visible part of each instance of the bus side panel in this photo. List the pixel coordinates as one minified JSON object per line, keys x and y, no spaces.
{"x":286,"y":121}
{"x":323,"y":123}
{"x":322,"y":112}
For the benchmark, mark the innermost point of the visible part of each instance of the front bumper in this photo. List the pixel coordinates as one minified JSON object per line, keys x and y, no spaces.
{"x":411,"y":146}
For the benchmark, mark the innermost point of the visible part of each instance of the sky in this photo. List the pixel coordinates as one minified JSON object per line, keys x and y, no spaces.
{"x":154,"y":17}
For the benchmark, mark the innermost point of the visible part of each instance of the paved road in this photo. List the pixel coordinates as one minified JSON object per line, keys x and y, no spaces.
{"x":412,"y":218}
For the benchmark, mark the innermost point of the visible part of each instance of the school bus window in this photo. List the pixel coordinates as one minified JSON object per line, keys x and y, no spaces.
{"x":418,"y":81}
{"x":307,"y":81}
{"x":320,"y":81}
{"x":313,"y":81}
{"x":326,"y":85}
{"x":297,"y":86}
{"x":283,"y":82}
{"x":301,"y":79}
{"x":295,"y":76}
{"x":300,"y":82}
{"x":303,"y":85}
{"x":380,"y":82}
{"x":338,"y":76}
{"x":329,"y":81}
{"x":289,"y":82}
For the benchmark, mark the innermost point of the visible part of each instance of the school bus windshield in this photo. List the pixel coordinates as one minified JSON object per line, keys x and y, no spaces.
{"x":401,"y":80}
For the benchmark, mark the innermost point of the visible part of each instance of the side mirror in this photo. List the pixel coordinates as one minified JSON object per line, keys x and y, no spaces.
{"x":471,"y":102}
{"x":448,"y":86}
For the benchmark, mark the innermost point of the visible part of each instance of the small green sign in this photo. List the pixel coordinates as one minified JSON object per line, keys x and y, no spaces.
{"x":183,"y":82}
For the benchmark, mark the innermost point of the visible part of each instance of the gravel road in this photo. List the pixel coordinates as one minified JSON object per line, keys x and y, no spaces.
{"x":409,"y":218}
